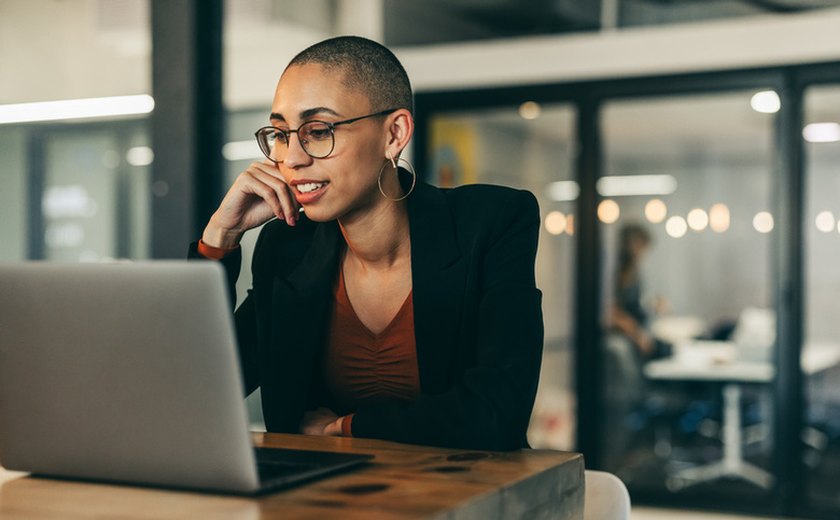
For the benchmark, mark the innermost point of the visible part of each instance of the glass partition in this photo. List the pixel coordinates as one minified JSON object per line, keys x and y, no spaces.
{"x":531,"y":147}
{"x":14,"y":195}
{"x":96,"y":193}
{"x":687,"y":220}
{"x":821,"y":348}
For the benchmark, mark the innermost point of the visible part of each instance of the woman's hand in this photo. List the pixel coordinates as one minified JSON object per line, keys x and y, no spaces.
{"x":321,"y":421}
{"x":257,"y":195}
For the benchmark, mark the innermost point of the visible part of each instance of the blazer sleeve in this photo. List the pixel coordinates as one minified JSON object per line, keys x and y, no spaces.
{"x":490,"y":407}
{"x":244,"y":316}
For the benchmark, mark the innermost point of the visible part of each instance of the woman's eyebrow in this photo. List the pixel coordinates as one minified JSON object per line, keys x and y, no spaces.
{"x":306,"y":114}
{"x":309,"y":112}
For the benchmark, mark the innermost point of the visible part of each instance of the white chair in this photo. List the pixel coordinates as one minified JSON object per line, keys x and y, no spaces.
{"x":605,"y":497}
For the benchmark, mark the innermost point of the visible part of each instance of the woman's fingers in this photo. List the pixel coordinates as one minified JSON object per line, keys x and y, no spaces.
{"x":273,"y":190}
{"x":253,"y":184}
{"x":258,"y":193}
{"x":316,"y":422}
{"x":270,"y":175}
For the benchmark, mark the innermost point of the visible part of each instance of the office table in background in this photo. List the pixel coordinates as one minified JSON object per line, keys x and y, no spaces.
{"x":404,"y":481}
{"x":718,"y":361}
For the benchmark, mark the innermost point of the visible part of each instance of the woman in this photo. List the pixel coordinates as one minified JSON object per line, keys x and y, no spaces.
{"x":629,"y":315}
{"x":386,"y":308}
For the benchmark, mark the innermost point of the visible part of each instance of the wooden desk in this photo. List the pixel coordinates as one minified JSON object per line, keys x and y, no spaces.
{"x":403,"y":481}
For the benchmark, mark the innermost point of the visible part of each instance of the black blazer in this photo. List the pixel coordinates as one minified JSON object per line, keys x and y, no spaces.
{"x":477,"y":320}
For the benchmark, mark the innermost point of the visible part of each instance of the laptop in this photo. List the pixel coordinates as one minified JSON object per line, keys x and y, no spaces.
{"x":129,"y":373}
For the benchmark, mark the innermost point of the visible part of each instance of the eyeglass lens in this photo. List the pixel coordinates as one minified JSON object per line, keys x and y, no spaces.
{"x":315,"y":137}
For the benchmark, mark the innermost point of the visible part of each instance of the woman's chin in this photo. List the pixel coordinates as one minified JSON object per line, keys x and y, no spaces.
{"x":316,"y":214}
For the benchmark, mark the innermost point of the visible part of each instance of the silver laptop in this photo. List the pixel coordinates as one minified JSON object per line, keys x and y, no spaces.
{"x":129,"y":373}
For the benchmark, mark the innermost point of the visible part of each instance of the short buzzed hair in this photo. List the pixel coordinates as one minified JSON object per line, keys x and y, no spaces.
{"x":368,"y":67}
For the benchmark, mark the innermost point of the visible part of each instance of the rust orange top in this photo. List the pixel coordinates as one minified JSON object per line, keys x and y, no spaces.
{"x":213,"y":253}
{"x":361,"y":367}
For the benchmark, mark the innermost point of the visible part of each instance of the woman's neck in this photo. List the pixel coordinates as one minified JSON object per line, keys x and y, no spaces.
{"x":378,"y":238}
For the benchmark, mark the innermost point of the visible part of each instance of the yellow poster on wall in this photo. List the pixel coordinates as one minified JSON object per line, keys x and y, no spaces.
{"x":453,"y":153}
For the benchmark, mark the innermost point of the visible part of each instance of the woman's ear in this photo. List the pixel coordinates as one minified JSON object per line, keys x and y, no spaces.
{"x":399,"y":131}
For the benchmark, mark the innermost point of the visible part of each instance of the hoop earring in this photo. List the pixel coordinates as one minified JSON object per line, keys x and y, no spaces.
{"x":408,"y":166}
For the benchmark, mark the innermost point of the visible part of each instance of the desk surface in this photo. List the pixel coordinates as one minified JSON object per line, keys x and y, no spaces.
{"x":403,"y":481}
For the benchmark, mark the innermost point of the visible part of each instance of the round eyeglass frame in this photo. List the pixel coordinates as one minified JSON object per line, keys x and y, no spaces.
{"x":266,"y":150}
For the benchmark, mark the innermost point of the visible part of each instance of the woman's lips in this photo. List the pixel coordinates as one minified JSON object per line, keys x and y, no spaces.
{"x":309,"y":191}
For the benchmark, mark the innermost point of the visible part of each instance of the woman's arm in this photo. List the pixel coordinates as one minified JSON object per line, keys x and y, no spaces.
{"x":627,"y":325}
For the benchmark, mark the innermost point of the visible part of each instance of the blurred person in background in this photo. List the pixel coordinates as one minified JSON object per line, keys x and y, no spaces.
{"x":628,"y":314}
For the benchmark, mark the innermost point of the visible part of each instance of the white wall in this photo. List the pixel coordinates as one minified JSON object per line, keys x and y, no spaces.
{"x":719,"y":45}
{"x":73,"y":49}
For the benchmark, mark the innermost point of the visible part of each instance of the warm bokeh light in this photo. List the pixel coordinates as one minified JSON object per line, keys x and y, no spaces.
{"x":763,"y":222}
{"x":570,"y":224}
{"x":529,"y":110}
{"x":676,"y":227}
{"x":766,"y":102}
{"x":697,"y":219}
{"x":825,"y":221}
{"x":555,"y":222}
{"x":719,"y":218}
{"x":655,"y":211}
{"x":608,"y":211}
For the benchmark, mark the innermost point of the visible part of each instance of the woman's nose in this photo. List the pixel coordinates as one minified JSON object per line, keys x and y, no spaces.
{"x":295,"y":154}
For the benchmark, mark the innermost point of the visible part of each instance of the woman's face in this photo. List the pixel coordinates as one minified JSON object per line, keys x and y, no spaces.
{"x":346,"y":180}
{"x":638,"y":247}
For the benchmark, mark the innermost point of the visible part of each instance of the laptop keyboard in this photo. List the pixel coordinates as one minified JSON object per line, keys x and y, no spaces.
{"x":280,"y":467}
{"x":279,"y":464}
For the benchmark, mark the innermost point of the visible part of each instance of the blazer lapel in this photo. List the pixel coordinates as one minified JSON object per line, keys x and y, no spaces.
{"x":300,"y":321}
{"x":305,"y":292}
{"x":438,"y":280}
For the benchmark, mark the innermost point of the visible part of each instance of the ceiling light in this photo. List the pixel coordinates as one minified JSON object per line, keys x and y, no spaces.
{"x":766,"y":102}
{"x":76,"y":109}
{"x":563,"y":191}
{"x":570,"y":224}
{"x":555,"y":222}
{"x":655,"y":211}
{"x":763,"y":222}
{"x":825,"y":221}
{"x":719,"y":218}
{"x":530,"y":110}
{"x":822,"y":132}
{"x":140,"y":156}
{"x":241,"y":150}
{"x":624,"y":185}
{"x":676,"y":227}
{"x":697,"y":219}
{"x":608,"y":211}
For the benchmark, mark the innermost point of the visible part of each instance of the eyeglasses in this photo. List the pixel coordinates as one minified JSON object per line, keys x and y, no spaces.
{"x":317,"y":138}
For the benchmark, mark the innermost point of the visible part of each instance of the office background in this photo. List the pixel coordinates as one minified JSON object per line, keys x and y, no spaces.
{"x":715,"y":125}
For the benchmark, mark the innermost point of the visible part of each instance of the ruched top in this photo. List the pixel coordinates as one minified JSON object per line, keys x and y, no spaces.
{"x":361,"y":367}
